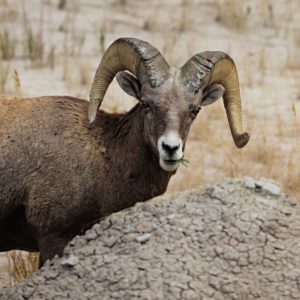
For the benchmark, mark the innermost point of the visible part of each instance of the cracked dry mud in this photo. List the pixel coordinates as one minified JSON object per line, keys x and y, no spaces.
{"x":226,"y":241}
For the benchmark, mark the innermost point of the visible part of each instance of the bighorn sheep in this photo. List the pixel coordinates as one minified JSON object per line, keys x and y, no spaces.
{"x":64,"y":164}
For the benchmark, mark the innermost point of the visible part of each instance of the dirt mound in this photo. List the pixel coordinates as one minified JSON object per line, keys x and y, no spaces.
{"x":231,"y":240}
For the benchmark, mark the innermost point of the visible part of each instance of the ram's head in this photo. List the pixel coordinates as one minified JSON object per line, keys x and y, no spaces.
{"x":170,"y":98}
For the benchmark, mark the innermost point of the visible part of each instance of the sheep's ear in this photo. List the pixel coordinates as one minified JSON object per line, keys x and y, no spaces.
{"x":129,"y":84}
{"x":212,"y":93}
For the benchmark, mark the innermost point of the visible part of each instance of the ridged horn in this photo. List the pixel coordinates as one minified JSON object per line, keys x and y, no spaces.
{"x":140,"y":58}
{"x":206,"y":68}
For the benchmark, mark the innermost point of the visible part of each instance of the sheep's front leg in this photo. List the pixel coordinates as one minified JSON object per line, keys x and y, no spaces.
{"x":51,"y":245}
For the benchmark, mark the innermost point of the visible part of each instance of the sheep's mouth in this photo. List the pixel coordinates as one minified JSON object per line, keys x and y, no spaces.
{"x":168,"y":165}
{"x":175,"y":162}
{"x":170,"y":161}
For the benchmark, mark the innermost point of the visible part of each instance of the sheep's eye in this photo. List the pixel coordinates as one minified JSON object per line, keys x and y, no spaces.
{"x":195,"y":111}
{"x":146,"y":106}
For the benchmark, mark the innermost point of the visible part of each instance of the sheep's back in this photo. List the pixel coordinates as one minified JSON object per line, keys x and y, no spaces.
{"x":46,"y":156}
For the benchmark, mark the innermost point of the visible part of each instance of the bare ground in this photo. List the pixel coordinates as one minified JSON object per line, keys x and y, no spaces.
{"x":231,"y":240}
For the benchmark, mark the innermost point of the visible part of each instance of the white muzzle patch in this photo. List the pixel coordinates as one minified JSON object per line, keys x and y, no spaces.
{"x":170,"y":151}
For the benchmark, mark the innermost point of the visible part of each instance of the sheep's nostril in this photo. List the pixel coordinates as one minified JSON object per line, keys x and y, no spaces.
{"x":169,"y":149}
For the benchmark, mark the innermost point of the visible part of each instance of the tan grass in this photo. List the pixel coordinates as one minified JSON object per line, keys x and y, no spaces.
{"x":4,"y":2}
{"x":293,"y":59}
{"x":83,"y":73}
{"x":22,"y":265}
{"x":17,"y":82}
{"x":62,"y":4}
{"x":102,"y":40}
{"x":232,"y":14}
{"x":33,"y":38}
{"x":7,"y":44}
{"x":4,"y":73}
{"x":51,"y":57}
{"x":34,"y":46}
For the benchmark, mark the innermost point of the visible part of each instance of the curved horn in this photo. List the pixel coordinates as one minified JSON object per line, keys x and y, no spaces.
{"x":206,"y":68}
{"x":139,"y":57}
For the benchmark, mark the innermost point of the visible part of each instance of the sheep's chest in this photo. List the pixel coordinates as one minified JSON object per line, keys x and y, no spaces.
{"x":131,"y":186}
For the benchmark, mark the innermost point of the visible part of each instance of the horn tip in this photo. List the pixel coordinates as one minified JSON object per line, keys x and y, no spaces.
{"x":242,"y":139}
{"x":93,"y":108}
{"x":92,"y":117}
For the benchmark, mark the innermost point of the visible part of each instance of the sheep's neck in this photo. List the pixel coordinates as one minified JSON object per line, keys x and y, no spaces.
{"x":129,"y":161}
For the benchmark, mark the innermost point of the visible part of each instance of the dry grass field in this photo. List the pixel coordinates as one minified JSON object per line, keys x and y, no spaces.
{"x":52,"y":47}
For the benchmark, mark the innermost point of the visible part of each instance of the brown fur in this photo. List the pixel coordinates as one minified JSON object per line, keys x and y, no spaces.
{"x":59,"y":174}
